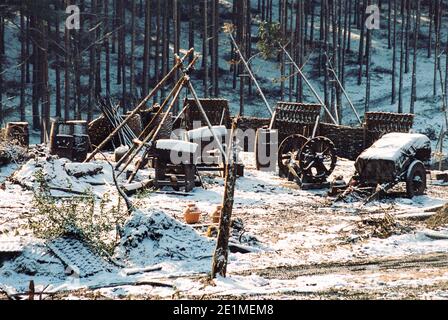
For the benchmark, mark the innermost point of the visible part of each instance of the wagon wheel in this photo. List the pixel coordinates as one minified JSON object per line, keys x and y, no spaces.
{"x":416,"y":179}
{"x":318,"y":158}
{"x":289,"y":152}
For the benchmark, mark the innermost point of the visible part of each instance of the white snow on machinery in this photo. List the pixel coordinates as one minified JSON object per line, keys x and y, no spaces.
{"x":395,"y":158}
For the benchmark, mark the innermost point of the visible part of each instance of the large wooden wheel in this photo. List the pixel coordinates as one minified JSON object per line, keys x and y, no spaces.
{"x":288,"y":153}
{"x":416,"y":179}
{"x":317,"y":158}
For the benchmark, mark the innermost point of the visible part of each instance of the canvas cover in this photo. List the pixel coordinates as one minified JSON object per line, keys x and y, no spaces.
{"x":389,"y":156}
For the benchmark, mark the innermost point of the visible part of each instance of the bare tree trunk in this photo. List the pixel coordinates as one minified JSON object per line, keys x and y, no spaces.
{"x":301,"y":48}
{"x":191,"y":27}
{"x":326,"y":14}
{"x":146,"y":50}
{"x":408,"y":30}
{"x":98,"y":44}
{"x":283,"y":23}
{"x":176,"y":27}
{"x":119,"y":25}
{"x":205,"y":49}
{"x":389,"y":21}
{"x":36,"y":74}
{"x":349,"y":36}
{"x":165,"y":42}
{"x":400,"y":89}
{"x":369,"y":59}
{"x":437,"y":20}
{"x":157,"y":57}
{"x":446,"y":74}
{"x":44,"y":91}
{"x":215,"y":39}
{"x":132,"y":89}
{"x":23,"y":70}
{"x":361,"y":46}
{"x":414,"y":64}
{"x":430,"y":17}
{"x":77,"y":74}
{"x":67,"y":64}
{"x":107,"y":44}
{"x":312,"y":12}
{"x":2,"y":49}
{"x":92,"y":57}
{"x":248,"y":35}
{"x":124,"y":100}
{"x":27,"y":49}
{"x":220,"y":256}
{"x":394,"y":55}
{"x":344,"y":41}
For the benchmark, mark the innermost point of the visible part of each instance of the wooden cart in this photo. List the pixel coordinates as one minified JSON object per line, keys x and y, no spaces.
{"x":394,"y":158}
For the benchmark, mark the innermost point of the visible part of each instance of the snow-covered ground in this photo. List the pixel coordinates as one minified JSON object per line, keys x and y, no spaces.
{"x":301,"y":242}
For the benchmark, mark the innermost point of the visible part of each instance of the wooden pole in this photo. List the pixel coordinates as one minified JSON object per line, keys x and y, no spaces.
{"x":309,"y":84}
{"x":220,"y":256}
{"x":209,"y":125}
{"x":145,"y":135}
{"x":251,"y":74}
{"x":177,"y":66}
{"x":154,"y":136}
{"x":343,"y":90}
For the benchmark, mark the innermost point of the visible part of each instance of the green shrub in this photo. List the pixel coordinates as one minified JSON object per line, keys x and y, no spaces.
{"x":270,"y":35}
{"x":79,"y":216}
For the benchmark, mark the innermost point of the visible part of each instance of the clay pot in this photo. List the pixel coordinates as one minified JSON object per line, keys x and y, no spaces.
{"x":192,"y":214}
{"x":216,"y":215}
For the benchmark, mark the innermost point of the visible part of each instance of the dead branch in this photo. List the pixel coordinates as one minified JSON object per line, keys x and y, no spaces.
{"x":129,"y":204}
{"x":131,"y":283}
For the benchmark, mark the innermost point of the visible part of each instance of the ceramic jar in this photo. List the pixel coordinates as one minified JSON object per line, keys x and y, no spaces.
{"x":191,"y":213}
{"x":216,"y":215}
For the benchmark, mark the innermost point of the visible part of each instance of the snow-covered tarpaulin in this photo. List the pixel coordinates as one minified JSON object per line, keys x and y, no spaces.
{"x":385,"y":158}
{"x":206,"y":133}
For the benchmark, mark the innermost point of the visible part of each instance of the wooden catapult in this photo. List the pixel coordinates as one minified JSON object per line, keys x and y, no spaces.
{"x":161,"y":152}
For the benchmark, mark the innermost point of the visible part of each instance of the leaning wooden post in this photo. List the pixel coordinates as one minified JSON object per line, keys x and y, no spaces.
{"x":299,"y":71}
{"x":229,"y":28}
{"x":220,"y":256}
{"x":147,"y":144}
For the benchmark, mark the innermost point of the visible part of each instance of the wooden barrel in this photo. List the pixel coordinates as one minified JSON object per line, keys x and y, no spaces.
{"x":53,"y":133}
{"x":70,"y":140}
{"x":81,"y":141}
{"x":266,"y":141}
{"x":18,"y":132}
{"x":61,"y":139}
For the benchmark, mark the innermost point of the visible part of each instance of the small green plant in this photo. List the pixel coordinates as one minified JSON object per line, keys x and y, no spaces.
{"x":77,"y":216}
{"x":270,"y":35}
